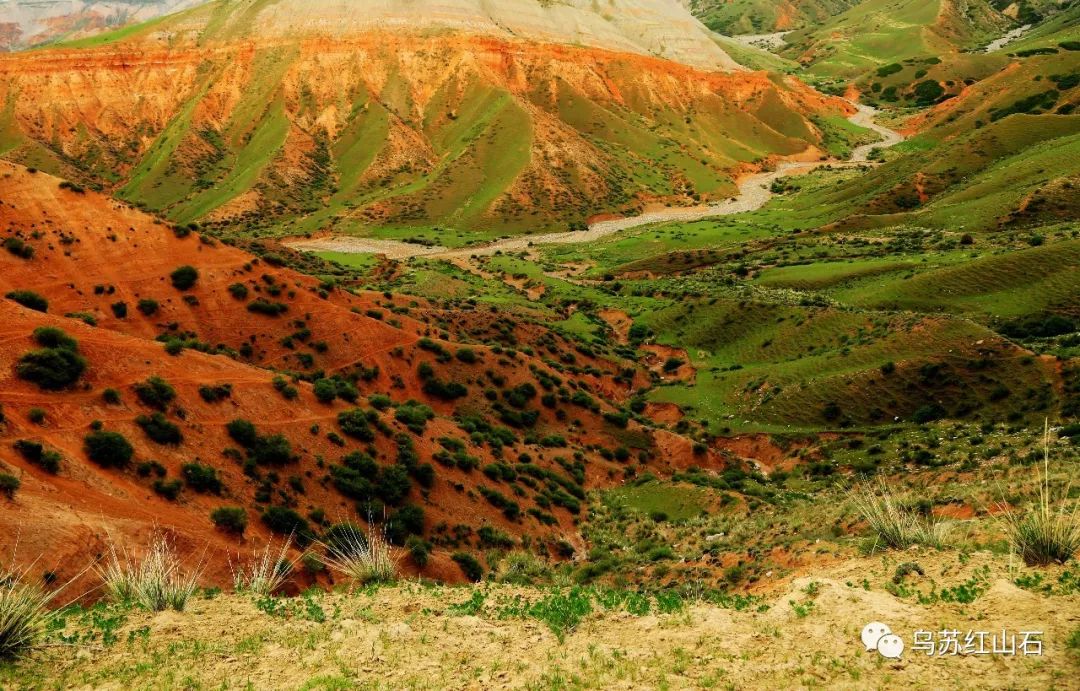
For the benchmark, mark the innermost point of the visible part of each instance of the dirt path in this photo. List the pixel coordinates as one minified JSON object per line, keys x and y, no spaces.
{"x":754,"y":192}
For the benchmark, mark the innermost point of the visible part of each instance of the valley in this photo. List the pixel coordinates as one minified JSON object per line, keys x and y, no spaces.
{"x":461,"y":344}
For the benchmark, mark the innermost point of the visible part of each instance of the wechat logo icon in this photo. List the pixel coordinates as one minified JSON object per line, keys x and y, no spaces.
{"x":879,"y":637}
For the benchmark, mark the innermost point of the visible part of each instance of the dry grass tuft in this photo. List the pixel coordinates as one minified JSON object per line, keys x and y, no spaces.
{"x":1044,"y":535}
{"x":158,"y":581}
{"x":894,"y":524}
{"x":24,"y":614}
{"x":267,"y":571}
{"x":362,"y":557}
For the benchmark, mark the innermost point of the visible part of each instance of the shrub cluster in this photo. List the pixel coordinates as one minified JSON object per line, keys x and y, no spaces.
{"x":29,"y":299}
{"x":159,"y":429}
{"x":56,"y":365}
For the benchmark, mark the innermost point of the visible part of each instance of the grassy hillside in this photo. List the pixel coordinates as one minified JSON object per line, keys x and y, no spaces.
{"x":757,"y":17}
{"x":879,"y":33}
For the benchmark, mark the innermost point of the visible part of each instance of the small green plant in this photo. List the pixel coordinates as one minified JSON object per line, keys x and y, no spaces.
{"x":202,"y":478}
{"x":1073,"y":643}
{"x":148,"y":307}
{"x":36,"y":453}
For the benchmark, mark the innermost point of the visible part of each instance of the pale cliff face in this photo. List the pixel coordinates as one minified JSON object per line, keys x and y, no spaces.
{"x":663,"y":28}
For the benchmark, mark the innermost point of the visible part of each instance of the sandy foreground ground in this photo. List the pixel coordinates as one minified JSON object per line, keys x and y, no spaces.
{"x":805,"y":634}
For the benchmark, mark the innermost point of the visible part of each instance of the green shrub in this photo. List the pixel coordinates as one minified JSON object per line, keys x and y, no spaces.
{"x":419,"y":550}
{"x":148,"y":307}
{"x":414,"y":415}
{"x":55,"y":366}
{"x":155,"y":392}
{"x":243,"y":432}
{"x":469,"y":565}
{"x":108,"y":449}
{"x":184,"y":278}
{"x":169,"y":489}
{"x":214,"y":394}
{"x":18,"y":248}
{"x":29,"y":300}
{"x":238,"y":291}
{"x":928,"y":92}
{"x":202,"y":478}
{"x":159,"y":429}
{"x":285,"y":521}
{"x":9,"y":484}
{"x":325,"y":390}
{"x":111,"y":396}
{"x":928,"y":413}
{"x":35,"y":453}
{"x":274,"y":450}
{"x":393,"y":484}
{"x":271,"y":309}
{"x":447,"y":391}
{"x":231,"y":519}
{"x":120,"y":310}
{"x":355,"y":424}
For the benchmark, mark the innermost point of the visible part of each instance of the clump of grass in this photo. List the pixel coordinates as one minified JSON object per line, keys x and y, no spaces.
{"x":894,"y":524}
{"x":362,"y":557}
{"x":24,"y":615}
{"x":267,"y":571}
{"x":1044,"y":534}
{"x":158,"y":581}
{"x":522,"y":568}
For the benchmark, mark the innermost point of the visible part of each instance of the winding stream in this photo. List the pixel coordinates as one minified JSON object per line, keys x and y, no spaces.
{"x":754,"y":192}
